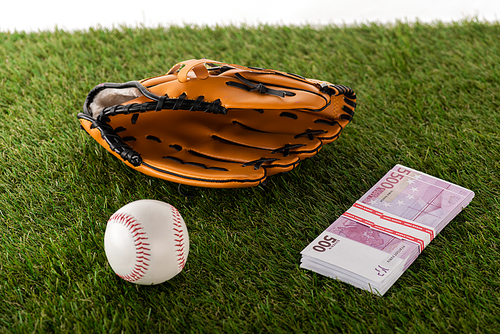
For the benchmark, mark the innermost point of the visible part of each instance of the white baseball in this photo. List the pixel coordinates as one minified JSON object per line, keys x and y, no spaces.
{"x":146,"y":242}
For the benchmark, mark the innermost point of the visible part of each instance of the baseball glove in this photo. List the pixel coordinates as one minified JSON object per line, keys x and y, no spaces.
{"x":212,"y":124}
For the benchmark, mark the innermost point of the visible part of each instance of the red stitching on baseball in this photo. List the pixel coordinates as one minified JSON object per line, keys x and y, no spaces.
{"x":142,"y":258}
{"x":181,"y":259}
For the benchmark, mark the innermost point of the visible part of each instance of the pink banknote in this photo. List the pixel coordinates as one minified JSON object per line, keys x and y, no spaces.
{"x":405,"y":193}
{"x":379,"y":237}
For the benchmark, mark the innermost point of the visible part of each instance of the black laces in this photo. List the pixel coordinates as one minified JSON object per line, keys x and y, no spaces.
{"x":250,"y":86}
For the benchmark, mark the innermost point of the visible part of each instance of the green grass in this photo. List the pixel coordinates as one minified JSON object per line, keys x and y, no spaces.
{"x":428,"y":98}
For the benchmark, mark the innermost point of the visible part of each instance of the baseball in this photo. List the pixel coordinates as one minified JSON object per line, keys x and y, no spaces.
{"x":146,"y":242}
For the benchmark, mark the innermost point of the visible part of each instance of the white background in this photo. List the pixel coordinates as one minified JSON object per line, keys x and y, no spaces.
{"x":37,"y":15}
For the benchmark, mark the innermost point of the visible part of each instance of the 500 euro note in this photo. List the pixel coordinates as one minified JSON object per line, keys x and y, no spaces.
{"x":417,"y":197}
{"x":377,"y":239}
{"x":366,"y":253}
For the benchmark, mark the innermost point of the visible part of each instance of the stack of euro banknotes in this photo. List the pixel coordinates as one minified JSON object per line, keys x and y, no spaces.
{"x":378,"y":238}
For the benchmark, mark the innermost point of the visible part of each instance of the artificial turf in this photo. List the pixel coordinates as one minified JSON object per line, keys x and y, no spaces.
{"x":428,"y":98}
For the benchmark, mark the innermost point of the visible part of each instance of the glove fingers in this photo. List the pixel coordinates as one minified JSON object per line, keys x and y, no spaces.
{"x":296,"y":124}
{"x":308,"y":97}
{"x":272,"y":143}
{"x":220,"y":149}
{"x":216,"y":168}
{"x":194,"y":169}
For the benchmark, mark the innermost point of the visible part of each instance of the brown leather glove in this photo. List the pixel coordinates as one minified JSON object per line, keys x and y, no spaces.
{"x":212,"y":124}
